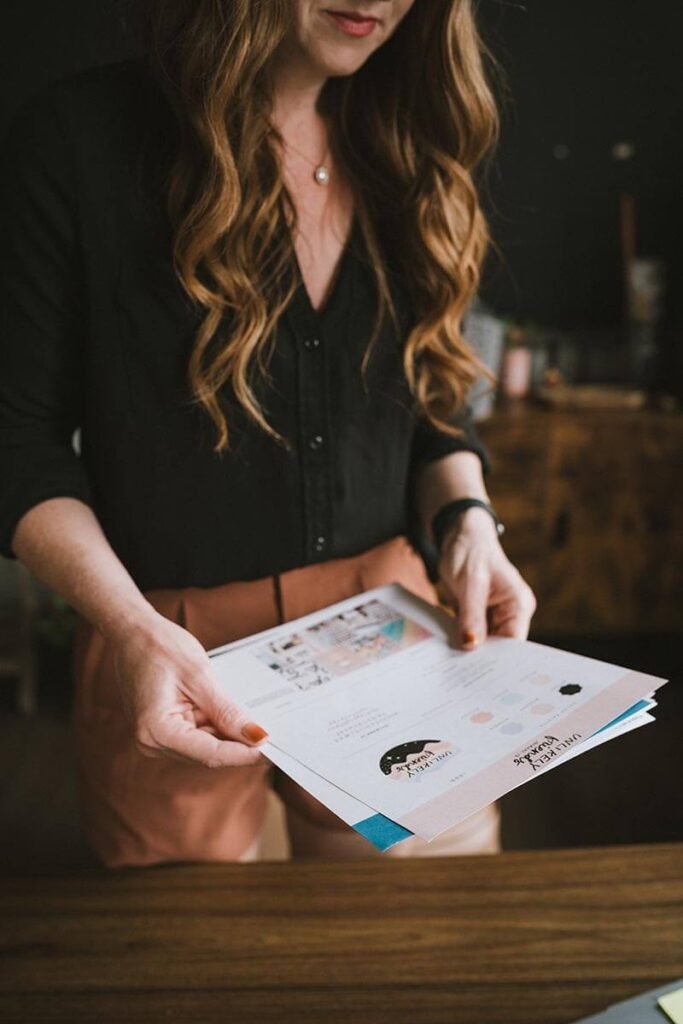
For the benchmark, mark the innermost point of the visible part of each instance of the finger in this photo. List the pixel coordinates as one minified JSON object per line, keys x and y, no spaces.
{"x":472,"y":604}
{"x":230,"y":721}
{"x":176,"y":736}
{"x":512,"y":616}
{"x":513,"y":621}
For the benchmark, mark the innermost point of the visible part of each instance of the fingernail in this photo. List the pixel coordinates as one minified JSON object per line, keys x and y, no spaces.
{"x":253,"y":732}
{"x":468,"y":637}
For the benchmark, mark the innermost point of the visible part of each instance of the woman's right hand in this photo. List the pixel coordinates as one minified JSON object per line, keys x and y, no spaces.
{"x":173,"y":702}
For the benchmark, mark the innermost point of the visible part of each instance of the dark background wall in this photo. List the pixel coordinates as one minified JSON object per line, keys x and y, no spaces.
{"x":586,"y":75}
{"x":582,"y":75}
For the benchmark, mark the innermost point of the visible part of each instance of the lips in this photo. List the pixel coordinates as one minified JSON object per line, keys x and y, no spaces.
{"x":353,"y":15}
{"x":352,"y":23}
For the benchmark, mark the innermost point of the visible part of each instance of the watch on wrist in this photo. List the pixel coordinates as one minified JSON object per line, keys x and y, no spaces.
{"x":449,"y":512}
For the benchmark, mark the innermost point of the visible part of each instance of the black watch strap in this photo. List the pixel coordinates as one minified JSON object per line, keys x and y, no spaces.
{"x":449,"y":512}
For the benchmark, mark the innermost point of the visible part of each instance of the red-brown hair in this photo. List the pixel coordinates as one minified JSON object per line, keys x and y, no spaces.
{"x":410,"y":128}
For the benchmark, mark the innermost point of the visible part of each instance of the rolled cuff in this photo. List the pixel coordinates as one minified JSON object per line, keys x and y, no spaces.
{"x":430,"y":444}
{"x":33,"y":478}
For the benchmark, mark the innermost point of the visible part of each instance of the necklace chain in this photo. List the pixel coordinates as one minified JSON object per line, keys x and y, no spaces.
{"x":321,"y":173}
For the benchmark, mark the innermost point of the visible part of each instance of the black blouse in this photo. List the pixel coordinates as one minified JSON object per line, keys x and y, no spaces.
{"x":95,"y":335}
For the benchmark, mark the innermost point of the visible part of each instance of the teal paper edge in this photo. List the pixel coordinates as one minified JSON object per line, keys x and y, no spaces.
{"x":381,"y":831}
{"x":634,"y":709}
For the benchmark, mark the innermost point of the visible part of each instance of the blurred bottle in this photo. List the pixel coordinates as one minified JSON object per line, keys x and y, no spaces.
{"x":645,"y":310}
{"x":486,"y":334}
{"x":517,"y":369}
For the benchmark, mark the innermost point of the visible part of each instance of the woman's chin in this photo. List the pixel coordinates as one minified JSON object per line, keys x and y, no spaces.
{"x":335,"y":63}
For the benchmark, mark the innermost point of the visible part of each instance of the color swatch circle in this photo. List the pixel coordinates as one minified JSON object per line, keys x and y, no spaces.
{"x":511,"y":698}
{"x":510,"y":728}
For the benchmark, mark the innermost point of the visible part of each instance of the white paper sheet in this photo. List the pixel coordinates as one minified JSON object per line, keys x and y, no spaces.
{"x":362,"y":817}
{"x":369,"y":695}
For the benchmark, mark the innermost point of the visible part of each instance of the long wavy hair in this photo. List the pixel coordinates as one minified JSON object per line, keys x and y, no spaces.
{"x":409,"y":128}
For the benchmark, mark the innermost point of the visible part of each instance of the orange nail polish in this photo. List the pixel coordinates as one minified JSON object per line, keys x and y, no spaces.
{"x":253,"y":732}
{"x":468,"y":637}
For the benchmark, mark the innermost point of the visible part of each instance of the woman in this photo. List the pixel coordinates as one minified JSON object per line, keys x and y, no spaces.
{"x":239,"y":265}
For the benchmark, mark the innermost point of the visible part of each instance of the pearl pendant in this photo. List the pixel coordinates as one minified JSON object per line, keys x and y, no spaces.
{"x":322,"y":175}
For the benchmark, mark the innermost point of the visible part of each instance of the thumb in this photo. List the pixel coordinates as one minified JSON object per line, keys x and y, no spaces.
{"x":230,"y":721}
{"x":472,"y":604}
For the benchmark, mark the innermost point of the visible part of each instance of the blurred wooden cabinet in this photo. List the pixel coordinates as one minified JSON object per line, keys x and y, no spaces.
{"x":593,"y":505}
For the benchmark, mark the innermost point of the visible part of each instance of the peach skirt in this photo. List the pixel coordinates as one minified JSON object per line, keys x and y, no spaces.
{"x":139,"y":811}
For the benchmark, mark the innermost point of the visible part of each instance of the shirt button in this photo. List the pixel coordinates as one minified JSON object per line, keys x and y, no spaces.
{"x":316,"y":442}
{"x":310,"y":343}
{"x":320,"y":543}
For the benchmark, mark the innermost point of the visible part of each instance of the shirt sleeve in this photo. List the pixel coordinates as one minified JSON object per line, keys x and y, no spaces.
{"x":430,"y":444}
{"x":42,"y":317}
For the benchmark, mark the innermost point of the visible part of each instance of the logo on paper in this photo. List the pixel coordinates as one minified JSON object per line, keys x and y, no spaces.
{"x":411,"y":760}
{"x":542,"y":751}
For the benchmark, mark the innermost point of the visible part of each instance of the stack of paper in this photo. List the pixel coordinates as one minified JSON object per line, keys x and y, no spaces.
{"x":371,"y":710}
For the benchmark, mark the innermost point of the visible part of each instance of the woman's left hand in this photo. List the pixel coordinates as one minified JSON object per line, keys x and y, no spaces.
{"x":487,"y":592}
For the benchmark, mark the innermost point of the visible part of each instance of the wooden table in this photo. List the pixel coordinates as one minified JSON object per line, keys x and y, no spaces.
{"x":520,"y":938}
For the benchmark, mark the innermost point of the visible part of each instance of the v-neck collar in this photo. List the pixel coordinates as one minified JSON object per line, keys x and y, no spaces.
{"x":338,"y":284}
